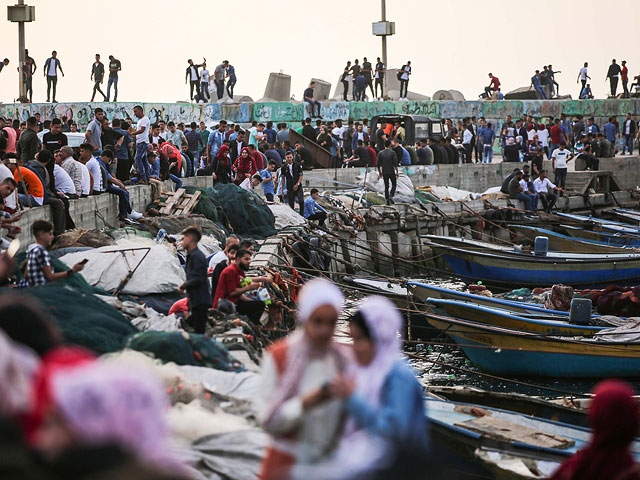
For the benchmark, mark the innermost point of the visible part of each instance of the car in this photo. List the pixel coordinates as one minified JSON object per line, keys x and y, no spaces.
{"x":74,"y":140}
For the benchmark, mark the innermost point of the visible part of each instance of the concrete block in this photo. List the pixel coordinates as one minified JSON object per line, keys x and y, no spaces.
{"x":459,"y":110}
{"x":278,"y":111}
{"x":542,"y":108}
{"x":322,"y":90}
{"x":502,"y":108}
{"x":368,"y":110}
{"x":579,"y":107}
{"x":616,"y":108}
{"x":334,"y":110}
{"x":522,"y":93}
{"x":429,"y":108}
{"x":278,"y":88}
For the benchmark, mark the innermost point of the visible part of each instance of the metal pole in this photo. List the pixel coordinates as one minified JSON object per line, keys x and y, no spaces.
{"x":384,"y":44}
{"x":22,"y":88}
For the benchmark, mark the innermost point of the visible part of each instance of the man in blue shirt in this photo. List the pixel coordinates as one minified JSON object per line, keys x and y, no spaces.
{"x":270,"y":133}
{"x":485,"y":139}
{"x":215,"y":140}
{"x":123,"y":164}
{"x":231,"y":75}
{"x":313,"y":211}
{"x":267,"y":180}
{"x":611,"y":133}
{"x":535,"y":83}
{"x":116,"y":187}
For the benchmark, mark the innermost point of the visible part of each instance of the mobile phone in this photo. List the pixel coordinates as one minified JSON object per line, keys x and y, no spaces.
{"x":84,"y":261}
{"x":14,"y":246}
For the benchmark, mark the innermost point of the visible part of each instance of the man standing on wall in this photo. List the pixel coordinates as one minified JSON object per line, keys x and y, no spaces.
{"x":51,"y":72}
{"x":29,"y":69}
{"x":366,"y":71}
{"x":612,"y":75}
{"x":379,"y":76}
{"x":114,"y":68}
{"x":219,"y":75}
{"x":193,"y":77}
{"x":582,"y":78}
{"x":97,"y":75}
{"x":403,"y":76}
{"x":624,"y":76}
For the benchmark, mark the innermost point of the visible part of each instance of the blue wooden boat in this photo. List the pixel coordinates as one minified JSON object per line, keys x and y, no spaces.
{"x":507,"y":352}
{"x":608,"y":238}
{"x":608,"y":225}
{"x":544,"y":324}
{"x":423,"y":291}
{"x":523,"y":269}
{"x":564,"y":243}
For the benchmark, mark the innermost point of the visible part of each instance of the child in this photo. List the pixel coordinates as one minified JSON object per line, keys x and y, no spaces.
{"x":196,"y":285}
{"x":39,"y":270}
{"x":250,"y":183}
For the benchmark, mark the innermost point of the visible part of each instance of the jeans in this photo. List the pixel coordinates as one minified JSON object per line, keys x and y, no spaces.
{"x":625,"y":88}
{"x":52,"y":81}
{"x":540,"y":91}
{"x":613,"y":82}
{"x":124,"y":205}
{"x":487,"y":153}
{"x":269,"y":197}
{"x":526,"y":199}
{"x":175,"y":180}
{"x":230,"y":84}
{"x":112,"y":81}
{"x":534,"y":201}
{"x":379,"y":81}
{"x":404,"y":84}
{"x":628,"y":144}
{"x":24,"y":200}
{"x":561,"y":177}
{"x":360,"y":95}
{"x":144,"y":170}
{"x":345,"y":92}
{"x":292,"y":195}
{"x":28,"y":85}
{"x":386,"y":178}
{"x":548,"y":200}
{"x":204,"y":91}
{"x":220,"y":89}
{"x":313,"y":104}
{"x":584,"y":83}
{"x":552,"y":147}
{"x":194,"y":84}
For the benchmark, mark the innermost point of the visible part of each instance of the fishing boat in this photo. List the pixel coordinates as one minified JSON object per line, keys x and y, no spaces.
{"x":515,"y":466}
{"x":608,"y":225}
{"x":556,"y":324}
{"x":393,"y":291}
{"x":564,"y":243}
{"x":423,"y":291}
{"x":631,"y":217}
{"x":503,"y":351}
{"x":608,"y":238}
{"x":524,"y":269}
{"x":515,"y":402}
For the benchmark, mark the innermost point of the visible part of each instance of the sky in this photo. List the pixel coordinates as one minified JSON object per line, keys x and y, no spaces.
{"x":451,"y":45}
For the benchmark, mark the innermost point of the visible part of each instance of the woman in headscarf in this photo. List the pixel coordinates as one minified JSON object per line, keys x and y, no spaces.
{"x":244,"y":166}
{"x":222,"y":160}
{"x":614,"y":419}
{"x":296,"y":408}
{"x":386,"y":434}
{"x":107,"y":420}
{"x":174,"y":157}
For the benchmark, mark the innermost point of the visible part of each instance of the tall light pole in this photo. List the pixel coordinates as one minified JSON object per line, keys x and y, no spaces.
{"x":21,"y":14}
{"x":384,"y":29}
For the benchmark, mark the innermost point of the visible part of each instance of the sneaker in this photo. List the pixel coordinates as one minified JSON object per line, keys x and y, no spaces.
{"x":134,"y":215}
{"x":130,"y":221}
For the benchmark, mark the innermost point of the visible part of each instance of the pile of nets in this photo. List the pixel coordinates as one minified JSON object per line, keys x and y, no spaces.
{"x":185,"y":349}
{"x":174,"y":224}
{"x":236,"y":210}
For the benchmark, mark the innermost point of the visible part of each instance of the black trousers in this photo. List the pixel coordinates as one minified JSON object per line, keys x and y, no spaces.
{"x":293,"y":195}
{"x":320,"y":216}
{"x":70,"y":224}
{"x":389,"y":177}
{"x":548,"y":200}
{"x":370,"y":83}
{"x":345,"y":86}
{"x":194,"y":84}
{"x":96,"y":88}
{"x":251,"y":308}
{"x":52,"y":81}
{"x":404,"y":84}
{"x":379,"y":81}
{"x":122,"y":169}
{"x":613,"y":81}
{"x":468,"y":150}
{"x":198,"y":318}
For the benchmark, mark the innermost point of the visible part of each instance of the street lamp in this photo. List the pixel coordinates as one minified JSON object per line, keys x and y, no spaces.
{"x":384,"y":29}
{"x":21,"y":14}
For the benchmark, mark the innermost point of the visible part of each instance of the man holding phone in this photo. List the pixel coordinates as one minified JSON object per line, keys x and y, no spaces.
{"x":39,"y":270}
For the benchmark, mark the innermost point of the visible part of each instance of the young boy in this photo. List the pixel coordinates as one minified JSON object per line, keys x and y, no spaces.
{"x":267,"y":180}
{"x":313,"y":211}
{"x":196,"y":285}
{"x":39,"y":270}
{"x":251,"y":183}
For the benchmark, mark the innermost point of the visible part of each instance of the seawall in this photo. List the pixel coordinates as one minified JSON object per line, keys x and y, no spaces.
{"x":292,"y":112}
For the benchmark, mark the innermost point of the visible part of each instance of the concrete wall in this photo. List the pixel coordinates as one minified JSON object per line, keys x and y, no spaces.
{"x":82,"y":113}
{"x":96,"y":212}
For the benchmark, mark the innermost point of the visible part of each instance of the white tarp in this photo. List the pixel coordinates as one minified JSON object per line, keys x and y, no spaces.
{"x":286,"y":216}
{"x":454,"y":194}
{"x":374,"y":182}
{"x":160,"y":272}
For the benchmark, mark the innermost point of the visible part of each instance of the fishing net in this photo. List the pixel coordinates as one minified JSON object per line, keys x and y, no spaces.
{"x":185,"y":349}
{"x":174,"y":224}
{"x":236,"y":210}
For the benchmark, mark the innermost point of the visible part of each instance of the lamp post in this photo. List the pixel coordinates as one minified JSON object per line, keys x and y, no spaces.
{"x":384,"y":29}
{"x":21,"y":14}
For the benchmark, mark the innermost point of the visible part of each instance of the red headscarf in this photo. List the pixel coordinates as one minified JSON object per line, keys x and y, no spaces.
{"x":222,"y":155}
{"x":614,"y":418}
{"x":246,"y":165}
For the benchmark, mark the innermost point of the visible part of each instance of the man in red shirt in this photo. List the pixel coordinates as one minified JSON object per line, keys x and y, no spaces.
{"x":373,"y":156}
{"x":232,"y":288}
{"x":624,"y":75}
{"x":555,"y":136}
{"x":493,"y":86}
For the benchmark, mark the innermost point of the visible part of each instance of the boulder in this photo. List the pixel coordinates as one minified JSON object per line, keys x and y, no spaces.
{"x":522,"y":93}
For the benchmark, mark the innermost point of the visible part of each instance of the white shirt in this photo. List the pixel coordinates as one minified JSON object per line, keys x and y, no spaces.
{"x":561,"y":157}
{"x":246,"y":184}
{"x":523,"y":184}
{"x":94,"y":169}
{"x":64,"y":183}
{"x":627,"y":127}
{"x":144,"y":136}
{"x":337,"y":132}
{"x":9,"y":201}
{"x":583,"y":73}
{"x":217,"y":258}
{"x":466,"y":137}
{"x":86,"y":179}
{"x":542,"y":186}
{"x":543,"y":137}
{"x":530,"y":134}
{"x":405,"y":75}
{"x":194,"y":73}
{"x":52,"y":67}
{"x":204,"y":75}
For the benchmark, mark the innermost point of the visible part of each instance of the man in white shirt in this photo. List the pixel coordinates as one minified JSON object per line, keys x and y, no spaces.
{"x":51,"y":67}
{"x":9,"y":201}
{"x":251,"y":183}
{"x":92,"y":164}
{"x":582,"y":77}
{"x":546,"y":191}
{"x":222,"y":254}
{"x":204,"y":83}
{"x":467,"y":138}
{"x":559,"y":159}
{"x":142,"y":144}
{"x":529,"y":190}
{"x":64,"y":184}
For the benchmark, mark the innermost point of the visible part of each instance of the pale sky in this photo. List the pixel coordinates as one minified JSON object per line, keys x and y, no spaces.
{"x":451,"y":45}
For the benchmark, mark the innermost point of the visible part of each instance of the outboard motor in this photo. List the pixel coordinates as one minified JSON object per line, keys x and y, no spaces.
{"x":580,"y":313}
{"x":541,"y":246}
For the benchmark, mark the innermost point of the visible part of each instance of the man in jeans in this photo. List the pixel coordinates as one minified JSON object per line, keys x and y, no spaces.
{"x":485,"y":141}
{"x":51,"y":72}
{"x":313,"y":103}
{"x":114,"y":68}
{"x":219,"y":76}
{"x":629,"y":132}
{"x":142,"y":144}
{"x":516,"y":191}
{"x":559,"y":160}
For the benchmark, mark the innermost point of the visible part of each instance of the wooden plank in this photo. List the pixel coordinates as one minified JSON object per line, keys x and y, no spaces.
{"x":171,"y":201}
{"x":191,"y":204}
